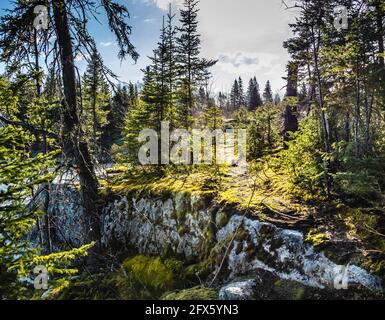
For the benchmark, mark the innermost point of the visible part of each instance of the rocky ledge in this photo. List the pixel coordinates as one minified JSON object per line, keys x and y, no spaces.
{"x":221,"y":245}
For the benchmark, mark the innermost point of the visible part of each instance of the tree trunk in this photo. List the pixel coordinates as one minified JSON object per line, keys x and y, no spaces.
{"x":290,"y":123}
{"x":380,"y":31}
{"x":73,"y":147}
{"x":381,"y":50}
{"x":324,"y":117}
{"x":43,"y":223}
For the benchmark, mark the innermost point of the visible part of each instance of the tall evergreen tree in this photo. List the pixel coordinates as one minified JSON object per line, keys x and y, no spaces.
{"x":290,"y":123}
{"x":96,"y":101}
{"x":171,"y":66}
{"x":222,"y":101}
{"x":122,"y":101}
{"x":268,"y":93}
{"x":277,"y":99}
{"x":253,"y":96}
{"x":192,"y":68}
{"x":234,"y":96}
{"x":241,"y":93}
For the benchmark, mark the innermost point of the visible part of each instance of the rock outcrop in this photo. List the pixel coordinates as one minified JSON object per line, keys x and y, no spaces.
{"x":223,"y":244}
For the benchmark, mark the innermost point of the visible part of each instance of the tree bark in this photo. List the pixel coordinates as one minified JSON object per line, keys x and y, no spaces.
{"x":381,"y":50}
{"x":73,"y":147}
{"x":290,"y":123}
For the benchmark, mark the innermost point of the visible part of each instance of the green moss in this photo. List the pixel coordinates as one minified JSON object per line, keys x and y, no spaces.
{"x":180,"y":216}
{"x":316,"y":239}
{"x":209,"y":234}
{"x":241,"y":235}
{"x":379,"y":268}
{"x":198,"y":203}
{"x":209,"y":240}
{"x":95,"y":287}
{"x":167,"y":252}
{"x":196,"y":293}
{"x":251,"y":252}
{"x":266,"y":238}
{"x":182,"y":230}
{"x":144,"y":277}
{"x":192,"y":270}
{"x":289,"y":290}
{"x":206,"y":267}
{"x":162,"y":186}
{"x":222,"y":219}
{"x":298,"y":294}
{"x":230,"y":196}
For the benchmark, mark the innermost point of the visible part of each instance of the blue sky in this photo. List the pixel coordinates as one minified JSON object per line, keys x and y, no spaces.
{"x":244,"y":35}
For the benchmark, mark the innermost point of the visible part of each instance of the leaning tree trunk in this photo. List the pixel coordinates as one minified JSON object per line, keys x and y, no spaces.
{"x":43,"y":223}
{"x":73,"y":147}
{"x":290,"y":122}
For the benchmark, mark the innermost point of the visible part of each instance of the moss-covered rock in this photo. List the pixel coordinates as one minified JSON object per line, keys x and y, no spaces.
{"x":143,"y":277}
{"x":222,"y":219}
{"x":196,"y":293}
{"x":316,"y":239}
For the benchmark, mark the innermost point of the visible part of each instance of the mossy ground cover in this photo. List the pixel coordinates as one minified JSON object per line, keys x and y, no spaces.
{"x":195,"y":293}
{"x":198,"y":182}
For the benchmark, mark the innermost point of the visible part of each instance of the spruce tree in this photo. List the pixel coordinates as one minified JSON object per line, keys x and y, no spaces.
{"x":171,"y":66}
{"x":121,"y":103}
{"x":241,"y":93}
{"x":143,"y":114}
{"x":20,"y":177}
{"x":96,"y":101}
{"x":202,"y":99}
{"x":192,"y":68}
{"x":258,"y":99}
{"x":234,"y":96}
{"x":222,"y":101}
{"x":277,"y":99}
{"x":253,"y":96}
{"x":267,"y":93}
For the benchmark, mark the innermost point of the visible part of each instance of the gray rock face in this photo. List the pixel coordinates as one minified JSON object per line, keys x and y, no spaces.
{"x":152,"y":226}
{"x":183,"y":225}
{"x":68,"y":215}
{"x":285,"y":254}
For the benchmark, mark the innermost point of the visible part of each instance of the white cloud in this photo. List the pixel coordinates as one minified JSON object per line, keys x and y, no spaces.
{"x":149,"y":20}
{"x":164,"y":4}
{"x":241,"y":62}
{"x":246,"y":37}
{"x":107,"y":44}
